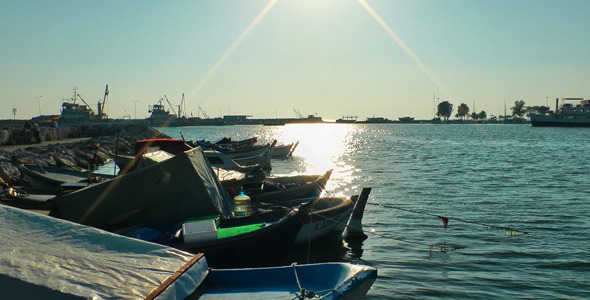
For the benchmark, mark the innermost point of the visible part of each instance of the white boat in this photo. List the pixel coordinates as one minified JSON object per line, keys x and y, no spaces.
{"x":568,"y":115}
{"x":48,"y":258}
{"x":160,"y":117}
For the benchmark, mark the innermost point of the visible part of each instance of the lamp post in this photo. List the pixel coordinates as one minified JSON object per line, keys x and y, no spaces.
{"x":39,"y":102}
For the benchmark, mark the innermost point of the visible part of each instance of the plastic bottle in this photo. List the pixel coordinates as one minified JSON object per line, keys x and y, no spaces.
{"x":242,"y":205}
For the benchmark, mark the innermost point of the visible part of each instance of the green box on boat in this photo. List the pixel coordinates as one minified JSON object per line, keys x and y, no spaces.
{"x":227,"y":232}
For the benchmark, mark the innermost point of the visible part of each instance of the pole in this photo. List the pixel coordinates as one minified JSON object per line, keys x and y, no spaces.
{"x":39,"y":102}
{"x":135,"y":101}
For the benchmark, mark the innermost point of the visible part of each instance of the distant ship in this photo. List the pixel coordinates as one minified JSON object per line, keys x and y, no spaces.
{"x":406,"y":120}
{"x":377,"y":120}
{"x":73,"y":113}
{"x":568,"y":115}
{"x":160,"y":117}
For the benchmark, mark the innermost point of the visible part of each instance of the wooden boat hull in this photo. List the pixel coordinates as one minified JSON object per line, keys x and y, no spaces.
{"x":241,"y":250}
{"x":280,"y":188}
{"x":50,"y":179}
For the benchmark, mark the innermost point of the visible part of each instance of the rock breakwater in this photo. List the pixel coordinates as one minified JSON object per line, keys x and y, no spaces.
{"x":104,"y":140}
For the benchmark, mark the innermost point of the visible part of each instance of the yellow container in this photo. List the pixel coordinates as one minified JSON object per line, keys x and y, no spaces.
{"x":242,"y":205}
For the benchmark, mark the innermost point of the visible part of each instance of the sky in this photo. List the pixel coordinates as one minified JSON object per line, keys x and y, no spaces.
{"x":281,"y":58}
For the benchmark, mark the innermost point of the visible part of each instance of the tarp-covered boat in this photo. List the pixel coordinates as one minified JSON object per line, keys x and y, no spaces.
{"x":173,"y":190}
{"x":48,"y":258}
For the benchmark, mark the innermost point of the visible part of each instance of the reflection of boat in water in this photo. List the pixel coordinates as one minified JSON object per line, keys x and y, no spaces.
{"x":160,"y":117}
{"x":568,"y":115}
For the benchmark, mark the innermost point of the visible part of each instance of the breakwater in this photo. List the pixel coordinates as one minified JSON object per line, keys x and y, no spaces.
{"x":77,"y":144}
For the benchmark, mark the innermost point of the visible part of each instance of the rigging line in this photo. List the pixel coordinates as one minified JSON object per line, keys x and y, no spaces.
{"x":449,"y":218}
{"x":443,"y":248}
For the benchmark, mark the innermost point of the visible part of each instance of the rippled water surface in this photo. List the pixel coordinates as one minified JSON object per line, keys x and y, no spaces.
{"x":493,"y":183}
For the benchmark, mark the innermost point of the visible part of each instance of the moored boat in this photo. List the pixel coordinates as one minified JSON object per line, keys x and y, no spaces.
{"x":52,"y":179}
{"x":279,"y":188}
{"x":160,"y":117}
{"x":568,"y":115}
{"x":48,"y":258}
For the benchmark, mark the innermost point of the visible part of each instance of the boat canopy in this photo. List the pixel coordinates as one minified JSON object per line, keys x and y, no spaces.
{"x":49,"y":258}
{"x":157,"y":196}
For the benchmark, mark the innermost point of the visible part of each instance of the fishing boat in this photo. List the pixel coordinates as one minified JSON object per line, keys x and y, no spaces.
{"x":279,"y":188}
{"x":218,"y":160}
{"x":568,"y":115}
{"x":234,"y":145}
{"x":284,"y":151}
{"x":406,"y":120}
{"x":50,"y":179}
{"x":73,"y":113}
{"x":157,"y":195}
{"x":160,"y":117}
{"x":48,"y":258}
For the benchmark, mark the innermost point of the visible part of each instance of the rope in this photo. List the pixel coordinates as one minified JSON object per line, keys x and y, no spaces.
{"x":305,"y":294}
{"x":446,"y":219}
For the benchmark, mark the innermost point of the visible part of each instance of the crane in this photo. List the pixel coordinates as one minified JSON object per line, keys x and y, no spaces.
{"x":78,"y":95}
{"x":101,"y":113}
{"x":172,"y":107}
{"x":203,"y":112}
{"x":298,"y":114}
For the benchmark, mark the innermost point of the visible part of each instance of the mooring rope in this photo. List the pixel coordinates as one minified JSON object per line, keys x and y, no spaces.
{"x":307,"y":294}
{"x":445,"y":219}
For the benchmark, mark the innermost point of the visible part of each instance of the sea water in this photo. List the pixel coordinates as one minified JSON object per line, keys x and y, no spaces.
{"x":516,"y":198}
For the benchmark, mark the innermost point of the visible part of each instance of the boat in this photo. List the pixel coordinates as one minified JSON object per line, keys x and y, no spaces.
{"x":235,"y":242}
{"x":568,"y":115}
{"x":160,"y":117}
{"x":227,"y":142}
{"x":73,"y":113}
{"x":217,"y":160}
{"x":279,"y":188}
{"x":347,"y":119}
{"x":162,"y":195}
{"x":155,"y":196}
{"x":376,"y":120}
{"x":54,"y":180}
{"x":246,"y":165}
{"x":406,"y":120}
{"x":48,"y":258}
{"x":16,"y":196}
{"x":284,"y":151}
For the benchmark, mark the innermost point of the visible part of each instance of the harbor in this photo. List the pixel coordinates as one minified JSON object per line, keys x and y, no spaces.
{"x":403,"y":220}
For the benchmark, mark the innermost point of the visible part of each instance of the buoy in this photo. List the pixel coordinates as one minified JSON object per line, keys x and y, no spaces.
{"x":242,"y":205}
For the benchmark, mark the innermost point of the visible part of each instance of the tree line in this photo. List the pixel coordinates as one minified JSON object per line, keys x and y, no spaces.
{"x":445,"y":110}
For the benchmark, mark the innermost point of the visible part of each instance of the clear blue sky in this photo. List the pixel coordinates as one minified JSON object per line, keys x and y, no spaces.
{"x":386,"y":58}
